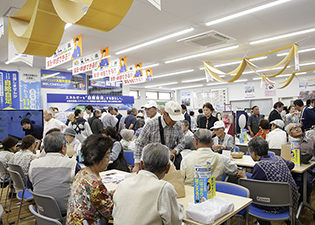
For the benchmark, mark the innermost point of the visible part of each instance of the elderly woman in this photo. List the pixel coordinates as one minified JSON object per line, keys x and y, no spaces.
{"x":89,"y":199}
{"x":264,"y":129}
{"x":266,"y":168}
{"x":26,"y":153}
{"x":73,"y":145}
{"x":80,"y":125}
{"x":117,"y":154}
{"x":207,"y":120}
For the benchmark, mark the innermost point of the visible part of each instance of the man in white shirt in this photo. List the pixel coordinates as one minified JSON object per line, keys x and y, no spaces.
{"x":156,"y":197}
{"x":109,"y":119}
{"x":51,"y":123}
{"x":88,"y":112}
{"x":277,"y":136}
{"x":151,"y":110}
{"x":220,"y":164}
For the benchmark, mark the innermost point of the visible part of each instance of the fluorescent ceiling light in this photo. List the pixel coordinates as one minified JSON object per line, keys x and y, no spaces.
{"x":155,"y":41}
{"x":150,"y":66}
{"x":243,"y":13}
{"x":221,"y":83}
{"x":202,"y":54}
{"x":194,"y":80}
{"x":68,"y":25}
{"x":172,"y":74}
{"x":307,"y":64}
{"x":200,"y":85}
{"x":300,"y":51}
{"x":282,"y":75}
{"x":158,"y":85}
{"x":282,"y":36}
{"x":51,"y":75}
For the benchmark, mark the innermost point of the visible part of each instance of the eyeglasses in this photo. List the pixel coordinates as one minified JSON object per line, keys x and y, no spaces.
{"x":295,"y":128}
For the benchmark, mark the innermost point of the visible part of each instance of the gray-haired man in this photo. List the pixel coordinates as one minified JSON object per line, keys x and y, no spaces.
{"x":157,"y":198}
{"x":109,"y":119}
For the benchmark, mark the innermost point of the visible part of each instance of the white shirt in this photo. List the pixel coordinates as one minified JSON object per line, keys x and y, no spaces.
{"x":276,"y":138}
{"x":189,"y":133}
{"x":53,"y":123}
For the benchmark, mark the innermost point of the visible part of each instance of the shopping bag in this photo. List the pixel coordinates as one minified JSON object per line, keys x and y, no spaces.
{"x":175,"y":178}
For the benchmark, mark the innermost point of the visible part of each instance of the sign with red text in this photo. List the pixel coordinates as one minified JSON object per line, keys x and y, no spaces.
{"x":65,"y":52}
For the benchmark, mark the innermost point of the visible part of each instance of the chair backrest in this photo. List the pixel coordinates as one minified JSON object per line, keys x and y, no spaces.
{"x":2,"y":168}
{"x":43,"y":220}
{"x":129,"y":158}
{"x":47,"y":206}
{"x":1,"y":212}
{"x":230,"y":188}
{"x":271,"y":153}
{"x":266,"y":193}
{"x":18,"y":183}
{"x":18,"y":168}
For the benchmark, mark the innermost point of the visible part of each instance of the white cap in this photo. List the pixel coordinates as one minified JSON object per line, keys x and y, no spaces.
{"x":150,"y":104}
{"x":278,"y":122}
{"x":140,"y":114}
{"x":174,"y":110}
{"x":218,"y":124}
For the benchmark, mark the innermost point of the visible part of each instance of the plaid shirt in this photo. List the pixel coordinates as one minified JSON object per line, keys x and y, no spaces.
{"x":173,"y":136}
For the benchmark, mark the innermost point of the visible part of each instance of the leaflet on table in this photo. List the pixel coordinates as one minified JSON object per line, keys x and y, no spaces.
{"x":204,"y":183}
{"x":65,"y":52}
{"x":97,"y":61}
{"x":30,"y":91}
{"x":9,"y":90}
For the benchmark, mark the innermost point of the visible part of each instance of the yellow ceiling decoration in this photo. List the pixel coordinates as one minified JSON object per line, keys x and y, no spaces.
{"x":37,"y":28}
{"x":213,"y":73}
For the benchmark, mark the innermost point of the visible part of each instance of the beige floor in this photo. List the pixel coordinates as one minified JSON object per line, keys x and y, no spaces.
{"x":306,"y":216}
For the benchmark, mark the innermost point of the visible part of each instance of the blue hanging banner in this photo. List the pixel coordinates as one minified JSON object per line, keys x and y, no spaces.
{"x":9,"y":90}
{"x":30,"y":91}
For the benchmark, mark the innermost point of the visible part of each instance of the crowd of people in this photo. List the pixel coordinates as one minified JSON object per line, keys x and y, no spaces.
{"x":157,"y":135}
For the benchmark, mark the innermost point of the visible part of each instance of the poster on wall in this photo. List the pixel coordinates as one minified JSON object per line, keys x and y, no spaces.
{"x":30,"y":91}
{"x":249,"y":90}
{"x":67,"y":103}
{"x":9,"y":90}
{"x":270,"y":89}
{"x":62,"y":80}
{"x":186,"y":100}
{"x":307,"y":91}
{"x":65,"y":52}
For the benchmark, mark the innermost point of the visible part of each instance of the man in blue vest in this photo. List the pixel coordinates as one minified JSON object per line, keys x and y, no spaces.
{"x":253,"y":121}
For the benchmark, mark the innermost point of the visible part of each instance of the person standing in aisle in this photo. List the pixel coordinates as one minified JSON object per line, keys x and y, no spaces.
{"x":131,"y":120}
{"x":166,"y":129}
{"x":186,"y":115}
{"x":80,"y":125}
{"x":207,"y":120}
{"x":275,"y":113}
{"x":89,"y":111}
{"x":51,"y":123}
{"x":95,"y":122}
{"x":109,"y":119}
{"x":307,"y":118}
{"x":253,"y":121}
{"x":151,"y":110}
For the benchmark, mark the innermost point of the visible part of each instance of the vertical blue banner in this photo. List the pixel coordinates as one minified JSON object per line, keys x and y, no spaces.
{"x":30,"y":91}
{"x":9,"y":93}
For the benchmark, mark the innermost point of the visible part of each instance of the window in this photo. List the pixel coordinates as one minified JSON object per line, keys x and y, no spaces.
{"x":165,"y":95}
{"x":151,"y":95}
{"x":135,"y":94}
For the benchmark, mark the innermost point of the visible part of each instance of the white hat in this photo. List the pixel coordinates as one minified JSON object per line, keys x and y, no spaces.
{"x":140,"y":114}
{"x":218,"y":124}
{"x":150,"y":104}
{"x":174,"y":110}
{"x":278,"y":122}
{"x":126,"y":134}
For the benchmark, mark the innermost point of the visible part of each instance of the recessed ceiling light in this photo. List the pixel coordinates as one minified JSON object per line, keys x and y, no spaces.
{"x":155,"y":41}
{"x":282,"y":36}
{"x":202,"y":54}
{"x":299,"y":51}
{"x":172,"y":74}
{"x":243,"y":13}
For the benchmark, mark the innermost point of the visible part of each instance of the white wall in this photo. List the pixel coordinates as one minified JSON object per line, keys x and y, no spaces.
{"x":142,"y":100}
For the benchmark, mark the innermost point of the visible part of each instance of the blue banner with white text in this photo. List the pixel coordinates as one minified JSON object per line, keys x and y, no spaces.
{"x":9,"y":89}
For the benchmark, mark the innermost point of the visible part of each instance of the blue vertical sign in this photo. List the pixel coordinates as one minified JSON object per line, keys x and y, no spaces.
{"x":9,"y":92}
{"x":30,"y":91}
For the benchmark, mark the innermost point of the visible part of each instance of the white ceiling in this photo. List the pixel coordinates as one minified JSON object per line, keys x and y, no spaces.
{"x":144,"y":22}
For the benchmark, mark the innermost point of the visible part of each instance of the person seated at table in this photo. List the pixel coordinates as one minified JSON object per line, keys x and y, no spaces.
{"x":307,"y":147}
{"x":187,"y":132}
{"x":117,"y":155}
{"x":277,"y":136}
{"x":156,"y":203}
{"x":73,"y":144}
{"x":270,"y":168}
{"x":264,"y":128}
{"x":89,"y":199}
{"x":222,"y":141}
{"x":26,"y":155}
{"x":126,"y":140}
{"x":9,"y":147}
{"x":220,"y":164}
{"x":32,"y":129}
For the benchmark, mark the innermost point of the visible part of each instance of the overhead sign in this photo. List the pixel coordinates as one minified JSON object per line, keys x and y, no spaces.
{"x":65,"y":52}
{"x":62,"y":80}
{"x":9,"y":90}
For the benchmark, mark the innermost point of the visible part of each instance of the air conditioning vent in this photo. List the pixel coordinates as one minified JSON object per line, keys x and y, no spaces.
{"x":207,"y":39}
